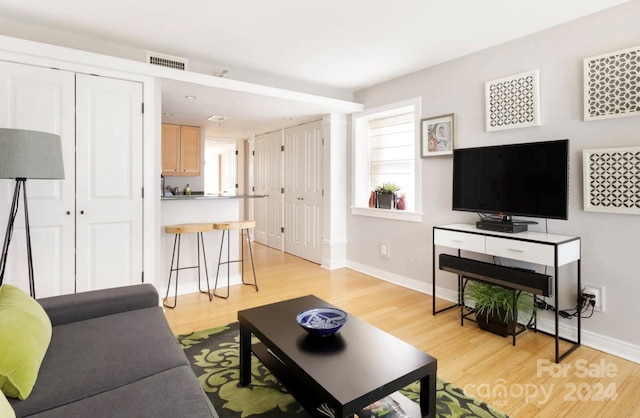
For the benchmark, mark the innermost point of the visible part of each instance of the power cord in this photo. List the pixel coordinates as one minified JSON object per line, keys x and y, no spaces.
{"x":587,"y":303}
{"x":543,"y":305}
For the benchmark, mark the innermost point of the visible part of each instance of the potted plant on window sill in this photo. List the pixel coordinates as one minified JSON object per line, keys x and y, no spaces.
{"x":386,"y":196}
{"x":494,"y":307}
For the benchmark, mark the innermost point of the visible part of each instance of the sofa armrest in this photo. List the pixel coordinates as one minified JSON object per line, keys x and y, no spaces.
{"x":65,"y":309}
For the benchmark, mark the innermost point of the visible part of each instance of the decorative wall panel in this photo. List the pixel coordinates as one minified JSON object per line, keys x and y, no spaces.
{"x":612,"y":85}
{"x":513,"y":102}
{"x":611,"y":180}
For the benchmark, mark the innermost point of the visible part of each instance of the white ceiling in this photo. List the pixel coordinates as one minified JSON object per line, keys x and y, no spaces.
{"x":340,"y":44}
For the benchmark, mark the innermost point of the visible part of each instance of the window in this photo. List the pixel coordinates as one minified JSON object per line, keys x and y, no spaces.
{"x":385,"y":150}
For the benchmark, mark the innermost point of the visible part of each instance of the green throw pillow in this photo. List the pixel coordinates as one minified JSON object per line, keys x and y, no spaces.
{"x":6,"y":411}
{"x":25,"y":334}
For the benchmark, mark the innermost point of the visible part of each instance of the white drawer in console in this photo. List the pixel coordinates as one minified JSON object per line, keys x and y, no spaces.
{"x":461,"y":240}
{"x":520,"y":250}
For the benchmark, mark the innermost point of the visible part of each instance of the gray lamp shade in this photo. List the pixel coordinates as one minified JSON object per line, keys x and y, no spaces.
{"x":30,"y":155}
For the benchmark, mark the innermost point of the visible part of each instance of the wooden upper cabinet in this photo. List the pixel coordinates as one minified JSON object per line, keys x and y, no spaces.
{"x":170,"y":149}
{"x":190,"y":149}
{"x":181,"y":150}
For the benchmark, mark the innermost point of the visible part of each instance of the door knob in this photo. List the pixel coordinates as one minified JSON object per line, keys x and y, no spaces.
{"x":68,"y":212}
{"x":81,"y":212}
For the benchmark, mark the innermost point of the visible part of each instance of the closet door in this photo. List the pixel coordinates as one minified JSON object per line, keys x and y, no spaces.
{"x":109,"y":182}
{"x":303,"y":191}
{"x":268,"y":181}
{"x":41,"y":99}
{"x":274,"y":190}
{"x":260,"y":188}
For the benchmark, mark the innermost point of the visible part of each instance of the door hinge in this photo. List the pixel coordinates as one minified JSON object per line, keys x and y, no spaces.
{"x":253,"y":189}
{"x":143,"y":192}
{"x":282,"y":229}
{"x":253,"y":153}
{"x":282,"y":190}
{"x":322,"y":141}
{"x":281,"y":147}
{"x":322,"y":192}
{"x":236,"y":185}
{"x":143,"y":277}
{"x":143,"y":108}
{"x":236,"y":152}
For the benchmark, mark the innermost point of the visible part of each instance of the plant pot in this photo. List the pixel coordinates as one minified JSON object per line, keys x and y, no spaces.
{"x":495,"y":324}
{"x":385,"y":200}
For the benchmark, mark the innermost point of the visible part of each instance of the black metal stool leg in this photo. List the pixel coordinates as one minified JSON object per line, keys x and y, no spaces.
{"x":255,"y":280}
{"x":215,"y":286}
{"x":171,"y":270}
{"x":200,"y":239}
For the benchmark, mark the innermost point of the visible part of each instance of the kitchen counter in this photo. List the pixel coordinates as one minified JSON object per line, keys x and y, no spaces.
{"x":211,"y":196}
{"x":200,"y":208}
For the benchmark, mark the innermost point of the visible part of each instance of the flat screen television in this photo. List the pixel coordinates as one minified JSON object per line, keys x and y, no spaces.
{"x":530,"y":179}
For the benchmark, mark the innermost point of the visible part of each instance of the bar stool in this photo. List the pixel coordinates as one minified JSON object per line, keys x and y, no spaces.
{"x":198,"y":228}
{"x":227,"y":227}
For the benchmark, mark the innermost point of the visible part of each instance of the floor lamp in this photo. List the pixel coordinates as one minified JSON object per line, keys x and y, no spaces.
{"x":26,"y":155}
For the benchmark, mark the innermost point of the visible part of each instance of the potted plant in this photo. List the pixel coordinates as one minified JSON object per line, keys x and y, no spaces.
{"x":386,"y":195}
{"x":494,"y":307}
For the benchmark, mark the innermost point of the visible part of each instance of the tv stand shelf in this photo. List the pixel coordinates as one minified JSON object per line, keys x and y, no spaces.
{"x":533,"y":247}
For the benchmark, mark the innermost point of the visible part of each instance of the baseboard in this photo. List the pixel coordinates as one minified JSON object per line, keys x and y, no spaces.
{"x":334,"y":254}
{"x":192,"y":286}
{"x":591,"y":339}
{"x":546,"y":323}
{"x":391,"y":277}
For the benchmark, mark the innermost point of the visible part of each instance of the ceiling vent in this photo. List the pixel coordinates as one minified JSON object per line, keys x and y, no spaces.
{"x":168,"y":61}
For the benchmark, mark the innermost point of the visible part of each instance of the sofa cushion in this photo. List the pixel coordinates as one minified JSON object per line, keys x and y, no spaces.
{"x":74,"y":307}
{"x":5,"y":408}
{"x":25,"y":332}
{"x":89,"y":357}
{"x":172,"y":393}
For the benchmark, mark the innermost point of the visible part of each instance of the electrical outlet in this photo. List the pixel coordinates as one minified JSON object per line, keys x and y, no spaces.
{"x":598,"y":292}
{"x":384,"y":250}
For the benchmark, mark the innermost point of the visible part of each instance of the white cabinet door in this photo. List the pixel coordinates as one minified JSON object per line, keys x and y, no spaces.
{"x":109,"y":182}
{"x":41,"y":99}
{"x":303,"y":191}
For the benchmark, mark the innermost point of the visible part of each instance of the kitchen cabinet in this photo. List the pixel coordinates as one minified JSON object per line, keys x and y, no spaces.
{"x":86,"y":230}
{"x":181,"y":150}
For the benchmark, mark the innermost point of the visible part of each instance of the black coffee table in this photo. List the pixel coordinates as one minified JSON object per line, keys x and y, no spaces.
{"x":345,"y":372}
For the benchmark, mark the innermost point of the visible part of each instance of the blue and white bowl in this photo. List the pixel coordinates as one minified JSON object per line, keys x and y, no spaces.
{"x":322,"y":321}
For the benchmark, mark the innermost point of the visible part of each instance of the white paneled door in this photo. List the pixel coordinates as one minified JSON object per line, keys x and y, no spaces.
{"x":274,"y":190}
{"x":303,"y":191}
{"x":288,"y":169}
{"x":109,"y":182}
{"x":260,"y":188}
{"x":86,"y":230}
{"x":268,"y":181}
{"x":41,"y":99}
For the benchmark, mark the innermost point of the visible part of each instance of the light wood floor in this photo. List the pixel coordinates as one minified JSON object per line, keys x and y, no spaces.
{"x":521,"y":381}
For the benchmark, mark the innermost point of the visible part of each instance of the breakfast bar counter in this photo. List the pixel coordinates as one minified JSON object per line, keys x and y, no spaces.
{"x":200,"y":208}
{"x":211,"y":196}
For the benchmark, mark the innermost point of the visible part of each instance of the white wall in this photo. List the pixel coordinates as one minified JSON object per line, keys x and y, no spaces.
{"x":609,"y":242}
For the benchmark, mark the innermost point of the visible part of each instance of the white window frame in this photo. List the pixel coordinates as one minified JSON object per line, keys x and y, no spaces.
{"x":360,"y":161}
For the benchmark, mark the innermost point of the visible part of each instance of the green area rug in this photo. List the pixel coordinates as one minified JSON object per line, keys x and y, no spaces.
{"x":213,"y":354}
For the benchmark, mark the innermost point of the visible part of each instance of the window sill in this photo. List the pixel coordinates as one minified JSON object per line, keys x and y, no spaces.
{"x":400,"y":215}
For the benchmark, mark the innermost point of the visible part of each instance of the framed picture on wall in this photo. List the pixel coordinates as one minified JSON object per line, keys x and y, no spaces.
{"x":437,"y":135}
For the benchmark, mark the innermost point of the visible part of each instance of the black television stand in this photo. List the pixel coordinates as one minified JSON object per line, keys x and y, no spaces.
{"x":504,"y":224}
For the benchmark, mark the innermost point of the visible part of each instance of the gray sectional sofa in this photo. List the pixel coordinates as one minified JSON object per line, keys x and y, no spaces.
{"x":112,"y":354}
